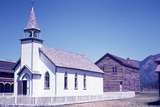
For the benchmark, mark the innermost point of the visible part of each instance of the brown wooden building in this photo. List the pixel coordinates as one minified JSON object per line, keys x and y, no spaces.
{"x":119,"y":74}
{"x":6,"y":76}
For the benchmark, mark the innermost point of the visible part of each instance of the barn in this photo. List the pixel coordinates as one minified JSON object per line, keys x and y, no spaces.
{"x":119,"y":74}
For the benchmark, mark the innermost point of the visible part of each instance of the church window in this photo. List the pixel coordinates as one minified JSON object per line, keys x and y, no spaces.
{"x":75,"y":82}
{"x":65,"y":80}
{"x":47,"y":82}
{"x":84,"y":81}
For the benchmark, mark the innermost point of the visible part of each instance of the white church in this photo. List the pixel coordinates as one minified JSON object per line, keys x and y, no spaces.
{"x":49,"y":72}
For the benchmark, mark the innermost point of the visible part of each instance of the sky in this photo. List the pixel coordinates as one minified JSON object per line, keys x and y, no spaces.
{"x":126,"y":28}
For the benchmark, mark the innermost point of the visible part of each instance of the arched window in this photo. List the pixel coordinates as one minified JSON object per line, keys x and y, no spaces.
{"x":12,"y":88}
{"x":46,"y":81}
{"x":75,"y":82}
{"x":65,"y":80}
{"x":1,"y":87}
{"x":84,"y":81}
{"x":7,"y":88}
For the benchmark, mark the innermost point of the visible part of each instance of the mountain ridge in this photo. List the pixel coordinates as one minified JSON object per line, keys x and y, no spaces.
{"x":148,"y":76}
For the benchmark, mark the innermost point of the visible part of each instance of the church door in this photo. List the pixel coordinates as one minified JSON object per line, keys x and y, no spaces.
{"x":24,"y":87}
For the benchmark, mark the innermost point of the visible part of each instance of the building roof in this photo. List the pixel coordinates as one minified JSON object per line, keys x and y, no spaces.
{"x":32,"y":22}
{"x":6,"y":66}
{"x":70,"y":60}
{"x":126,"y":62}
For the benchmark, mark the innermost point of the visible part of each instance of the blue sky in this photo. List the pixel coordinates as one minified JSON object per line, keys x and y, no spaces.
{"x":127,"y":28}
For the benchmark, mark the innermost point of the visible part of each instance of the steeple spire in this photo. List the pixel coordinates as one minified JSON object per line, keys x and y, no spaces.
{"x":32,"y":26}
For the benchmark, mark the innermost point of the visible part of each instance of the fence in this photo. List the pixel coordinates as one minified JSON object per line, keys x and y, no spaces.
{"x":6,"y":94}
{"x":26,"y":100}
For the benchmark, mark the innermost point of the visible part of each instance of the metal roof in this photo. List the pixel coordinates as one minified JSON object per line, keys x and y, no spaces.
{"x":70,"y":60}
{"x":6,"y":66}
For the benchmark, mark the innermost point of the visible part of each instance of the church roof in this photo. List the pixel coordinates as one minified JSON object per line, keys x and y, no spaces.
{"x":6,"y":66}
{"x":69,"y":60}
{"x":32,"y":22}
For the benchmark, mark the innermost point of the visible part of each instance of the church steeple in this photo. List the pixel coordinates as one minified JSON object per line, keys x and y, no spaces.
{"x":32,"y":29}
{"x":31,"y":44}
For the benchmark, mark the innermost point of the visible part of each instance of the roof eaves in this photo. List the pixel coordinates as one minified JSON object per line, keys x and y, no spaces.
{"x":80,"y":69}
{"x":101,"y":58}
{"x":17,"y":63}
{"x":117,"y":59}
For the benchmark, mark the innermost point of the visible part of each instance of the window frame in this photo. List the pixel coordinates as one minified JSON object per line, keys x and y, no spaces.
{"x":114,"y":69}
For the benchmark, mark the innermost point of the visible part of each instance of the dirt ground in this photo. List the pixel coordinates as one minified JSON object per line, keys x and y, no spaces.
{"x":145,"y":99}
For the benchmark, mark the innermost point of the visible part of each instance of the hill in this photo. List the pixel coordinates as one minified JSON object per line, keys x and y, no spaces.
{"x":149,"y":79}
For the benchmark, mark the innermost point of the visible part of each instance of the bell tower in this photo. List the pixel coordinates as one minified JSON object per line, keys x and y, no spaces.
{"x":31,"y":43}
{"x":32,"y":29}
